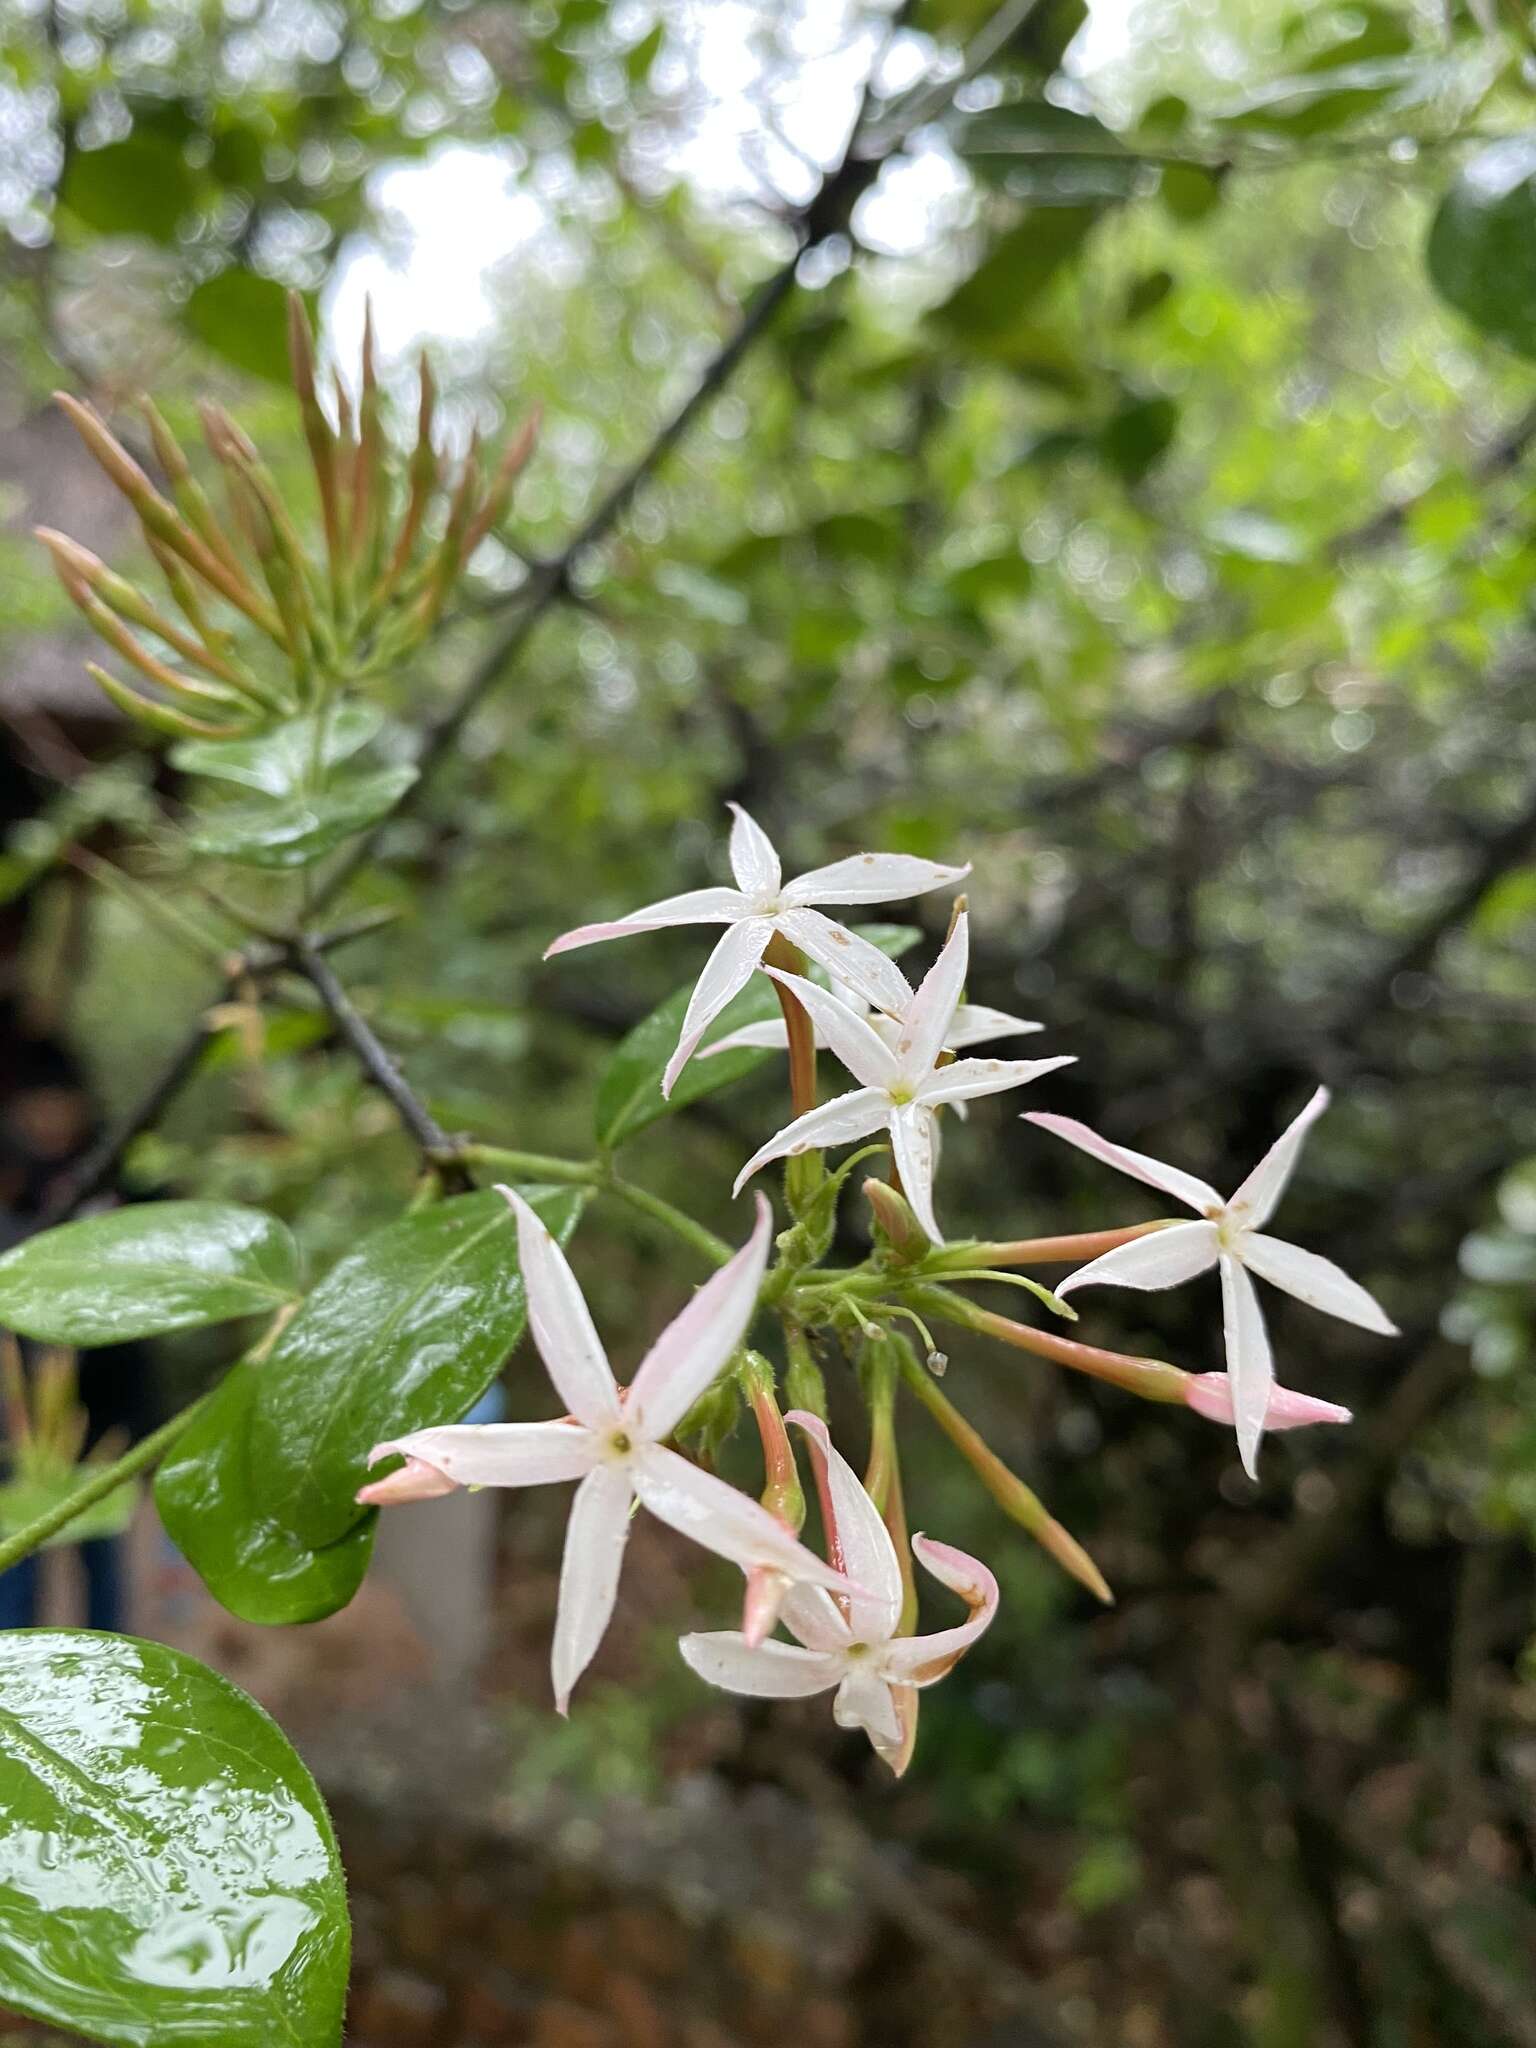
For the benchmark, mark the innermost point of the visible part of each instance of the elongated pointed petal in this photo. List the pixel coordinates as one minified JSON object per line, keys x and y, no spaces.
{"x":595,"y":1538}
{"x":857,"y":1535}
{"x":1172,"y":1180}
{"x":697,"y":1344}
{"x":865,"y":1701}
{"x":975,"y":1024}
{"x":754,"y":862}
{"x":695,"y":906}
{"x":727,"y":1522}
{"x":860,"y":1048}
{"x":962,"y":1080}
{"x":1165,"y":1258}
{"x":726,"y":972}
{"x":1210,"y":1395}
{"x":861,"y":966}
{"x":1250,"y":1362}
{"x":1260,"y":1193}
{"x":1316,"y":1281}
{"x":416,"y":1480}
{"x":925,"y":1028}
{"x":872,"y":878}
{"x":770,"y":1036}
{"x":771,"y":1671}
{"x":924,"y":1660}
{"x":814,"y":1618}
{"x":561,"y":1322}
{"x":837,"y":1122}
{"x":493,"y":1454}
{"x":914,"y":1144}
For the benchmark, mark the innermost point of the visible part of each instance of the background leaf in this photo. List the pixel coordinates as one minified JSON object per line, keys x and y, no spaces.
{"x":244,"y":319}
{"x":139,"y":186}
{"x":290,"y":832}
{"x":281,"y":761}
{"x":1482,"y":246}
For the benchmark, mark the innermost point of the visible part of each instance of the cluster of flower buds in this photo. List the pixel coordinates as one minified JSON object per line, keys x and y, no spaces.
{"x":45,"y":1428}
{"x":397,"y":536}
{"x":853,"y":1614}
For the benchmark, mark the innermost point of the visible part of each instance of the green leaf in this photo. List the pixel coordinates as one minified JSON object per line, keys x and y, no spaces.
{"x":139,"y":186}
{"x":244,"y":319}
{"x":1482,"y":246}
{"x":987,"y":307}
{"x":629,"y":1093}
{"x":1189,"y":191}
{"x":1317,"y":101}
{"x":1135,"y":439}
{"x":282,"y":760}
{"x":407,"y":1330}
{"x":146,"y":1269}
{"x":209,"y":1502}
{"x":167,"y":1868}
{"x":1047,"y":154}
{"x":290,"y":832}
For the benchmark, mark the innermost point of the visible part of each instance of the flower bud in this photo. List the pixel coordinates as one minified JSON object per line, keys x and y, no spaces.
{"x":1210,"y":1395}
{"x":416,"y":1480}
{"x":894,"y":1221}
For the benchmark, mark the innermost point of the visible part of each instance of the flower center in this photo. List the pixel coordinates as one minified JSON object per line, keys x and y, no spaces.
{"x":857,"y":1650}
{"x":620,"y":1444}
{"x":902,"y":1093}
{"x":1231,"y":1229}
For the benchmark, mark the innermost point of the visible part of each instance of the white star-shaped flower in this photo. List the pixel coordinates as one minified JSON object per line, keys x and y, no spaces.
{"x":763,"y":903}
{"x":902,"y":1087}
{"x":612,"y":1441}
{"x":1230,"y":1236}
{"x":853,"y":1644}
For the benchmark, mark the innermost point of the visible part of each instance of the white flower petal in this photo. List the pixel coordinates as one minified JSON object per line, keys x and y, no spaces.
{"x":962,"y":1080}
{"x":837,"y":1122}
{"x":848,"y":958}
{"x":924,"y":1660}
{"x":872,"y":878}
{"x":864,"y":1701}
{"x":561,"y":1322}
{"x":814,"y":1617}
{"x":1316,"y":1281}
{"x":754,"y":862}
{"x":1250,"y":1362}
{"x":1257,"y":1198}
{"x":727,"y":970}
{"x":697,"y":1344}
{"x":853,"y":1041}
{"x":1172,"y":1180}
{"x":1210,"y":1395}
{"x":1164,"y":1258}
{"x":595,"y":1538}
{"x":498,"y":1453}
{"x":857,"y":1539}
{"x":697,"y":906}
{"x":925,"y":1028}
{"x":773,"y":1671}
{"x":771,"y":1036}
{"x":974,"y":1024}
{"x":914,"y":1144}
{"x":721,"y":1519}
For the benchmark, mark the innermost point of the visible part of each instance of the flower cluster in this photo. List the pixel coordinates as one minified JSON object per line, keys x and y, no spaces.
{"x":853,"y":1613}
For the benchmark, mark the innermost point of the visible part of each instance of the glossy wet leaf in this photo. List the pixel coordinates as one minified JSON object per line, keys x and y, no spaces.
{"x":242,"y":317}
{"x":168,"y":1874}
{"x":1482,"y":246}
{"x":146,"y":1269}
{"x":408,"y":1329}
{"x":629,"y":1093}
{"x":292,"y":831}
{"x":283,"y":760}
{"x":210,"y":1502}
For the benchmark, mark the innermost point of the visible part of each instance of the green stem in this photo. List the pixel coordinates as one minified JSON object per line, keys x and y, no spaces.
{"x":703,"y":1240}
{"x":530,"y":1165}
{"x":589,"y":1173}
{"x":146,"y":1452}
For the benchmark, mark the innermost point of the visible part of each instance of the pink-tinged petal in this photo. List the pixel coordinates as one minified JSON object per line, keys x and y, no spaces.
{"x":754,"y":862}
{"x":696,"y":906}
{"x":766,"y":1671}
{"x":1316,"y":1281}
{"x":727,"y":1522}
{"x":856,"y":1535}
{"x":595,"y":1538}
{"x":766,"y":1592}
{"x":860,"y":1048}
{"x":1256,"y":1200}
{"x":1250,"y":1362}
{"x":1185,"y":1187}
{"x":416,"y":1480}
{"x":495,"y":1454}
{"x":697,"y":1344}
{"x":906,"y":1699}
{"x":837,"y":1122}
{"x":914,"y":1145}
{"x":963,"y":1080}
{"x":562,"y":1328}
{"x":862,"y":967}
{"x":974,"y":1024}
{"x":924,"y":1660}
{"x":726,"y":972}
{"x":872,"y":878}
{"x":1164,"y":1258}
{"x":772,"y":1036}
{"x":814,"y":1618}
{"x":1210,"y":1395}
{"x":925,"y":1028}
{"x":865,"y":1701}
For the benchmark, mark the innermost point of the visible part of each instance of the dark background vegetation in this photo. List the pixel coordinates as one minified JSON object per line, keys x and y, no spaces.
{"x":1120,"y":508}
